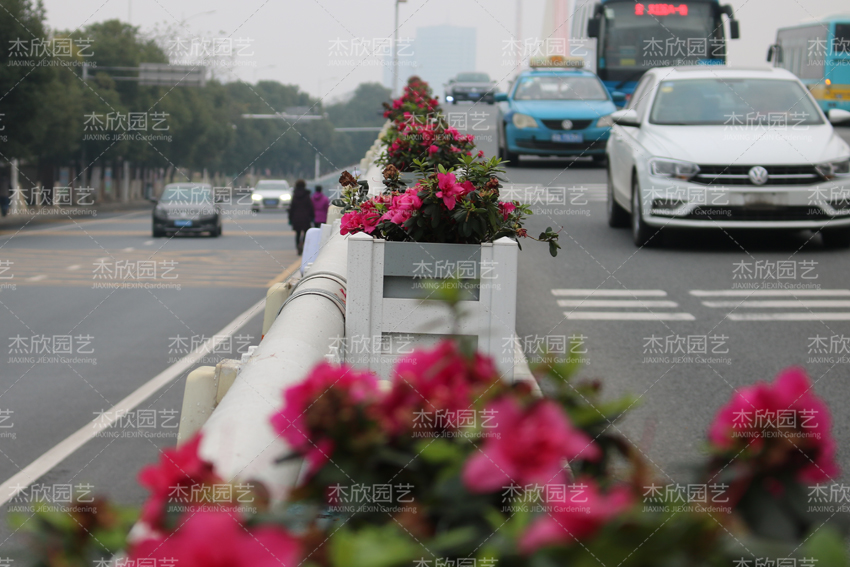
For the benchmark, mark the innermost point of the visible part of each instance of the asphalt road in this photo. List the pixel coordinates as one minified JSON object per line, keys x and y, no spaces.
{"x":662,"y":313}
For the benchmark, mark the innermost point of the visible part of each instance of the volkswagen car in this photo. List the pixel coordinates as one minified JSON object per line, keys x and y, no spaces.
{"x":187,"y":208}
{"x":271,"y":194}
{"x":727,"y":148}
{"x":555,"y":109}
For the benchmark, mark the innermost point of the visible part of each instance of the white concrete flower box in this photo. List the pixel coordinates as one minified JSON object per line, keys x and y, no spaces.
{"x":388,"y":305}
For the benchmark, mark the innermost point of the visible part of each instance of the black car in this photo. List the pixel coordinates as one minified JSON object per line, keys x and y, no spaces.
{"x":472,"y":87}
{"x":187,"y":208}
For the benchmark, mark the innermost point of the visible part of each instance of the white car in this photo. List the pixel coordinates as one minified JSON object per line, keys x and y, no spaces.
{"x":713,"y":146}
{"x":275,"y":194}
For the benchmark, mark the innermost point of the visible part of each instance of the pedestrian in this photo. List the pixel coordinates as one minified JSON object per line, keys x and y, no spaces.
{"x":300,"y":213}
{"x":5,"y":201}
{"x":320,"y":206}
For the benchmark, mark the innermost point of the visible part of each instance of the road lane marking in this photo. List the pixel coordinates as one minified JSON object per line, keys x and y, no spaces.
{"x":37,"y":278}
{"x":791,"y":303}
{"x":81,"y":225}
{"x":772,"y":293}
{"x":43,"y":464}
{"x":614,"y":303}
{"x":627,"y":316}
{"x":789,"y":316}
{"x":609,"y":293}
{"x":74,"y":267}
{"x":148,"y":242}
{"x":130,"y":249}
{"x":284,"y":274}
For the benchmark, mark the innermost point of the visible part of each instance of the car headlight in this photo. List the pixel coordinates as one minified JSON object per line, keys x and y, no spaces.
{"x":833,"y":169}
{"x":522,"y":121}
{"x":605,"y":122}
{"x":160,"y":213}
{"x":286,"y":197}
{"x":672,"y":169}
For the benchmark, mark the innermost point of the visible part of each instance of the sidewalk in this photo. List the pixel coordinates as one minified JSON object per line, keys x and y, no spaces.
{"x":45,"y":215}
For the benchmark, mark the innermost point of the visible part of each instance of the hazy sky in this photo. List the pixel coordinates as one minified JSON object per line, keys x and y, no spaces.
{"x":314,"y":43}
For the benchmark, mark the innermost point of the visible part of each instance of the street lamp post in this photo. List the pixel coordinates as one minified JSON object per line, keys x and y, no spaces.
{"x":395,"y":49}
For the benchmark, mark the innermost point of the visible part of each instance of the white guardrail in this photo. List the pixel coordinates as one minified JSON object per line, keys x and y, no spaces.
{"x":235,"y":419}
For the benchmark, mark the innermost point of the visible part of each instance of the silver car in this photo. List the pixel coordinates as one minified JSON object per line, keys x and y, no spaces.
{"x":271,"y":194}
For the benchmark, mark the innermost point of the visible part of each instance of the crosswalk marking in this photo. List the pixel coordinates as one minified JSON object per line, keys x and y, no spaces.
{"x":609,"y":293}
{"x":792,"y":303}
{"x":789,"y":316}
{"x":628,"y":316}
{"x":772,"y":293}
{"x":621,"y":308}
{"x":614,"y":303}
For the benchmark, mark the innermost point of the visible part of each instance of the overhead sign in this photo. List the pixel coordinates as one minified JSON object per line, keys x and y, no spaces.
{"x":165,"y":75}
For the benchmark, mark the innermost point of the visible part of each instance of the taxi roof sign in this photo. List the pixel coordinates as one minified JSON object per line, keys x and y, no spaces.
{"x":556,"y":61}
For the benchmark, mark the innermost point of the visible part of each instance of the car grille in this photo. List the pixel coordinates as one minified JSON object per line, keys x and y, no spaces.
{"x":548,"y":145}
{"x":738,"y":175}
{"x":556,"y":124}
{"x":806,"y":213}
{"x":270,"y":202}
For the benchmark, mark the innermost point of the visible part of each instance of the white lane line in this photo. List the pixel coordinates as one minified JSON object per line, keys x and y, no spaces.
{"x":789,"y":316}
{"x":148,"y":242}
{"x":128,"y":249}
{"x":73,"y":267}
{"x":630,"y":303}
{"x":70,"y":225}
{"x":60,"y":452}
{"x":791,"y":303}
{"x":37,"y":278}
{"x":627,"y":316}
{"x":609,"y":293}
{"x":772,"y":293}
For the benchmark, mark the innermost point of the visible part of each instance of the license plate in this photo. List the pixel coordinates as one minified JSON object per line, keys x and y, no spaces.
{"x":570,"y":137}
{"x":270,"y":202}
{"x":764,"y":200}
{"x":182,"y":223}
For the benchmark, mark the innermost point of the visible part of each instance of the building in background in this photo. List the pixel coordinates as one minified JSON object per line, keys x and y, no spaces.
{"x":436,"y":54}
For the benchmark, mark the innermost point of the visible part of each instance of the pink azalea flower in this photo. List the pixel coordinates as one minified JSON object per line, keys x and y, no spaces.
{"x":371,"y":216}
{"x":291,"y":423}
{"x":565,"y":525}
{"x":450,"y":190}
{"x":433,"y":149}
{"x":351,"y":222}
{"x":435,"y":379}
{"x":219,"y":539}
{"x":481,"y":153}
{"x":531,"y":446}
{"x":397,"y":103}
{"x":404,"y":206}
{"x":177,"y":467}
{"x":506,"y":208}
{"x":735,"y":426}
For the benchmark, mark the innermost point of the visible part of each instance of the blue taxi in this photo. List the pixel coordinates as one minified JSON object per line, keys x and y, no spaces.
{"x":555,"y":109}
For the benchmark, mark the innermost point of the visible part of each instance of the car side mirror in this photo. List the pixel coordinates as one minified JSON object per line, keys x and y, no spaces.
{"x":838,"y":115}
{"x":734,"y":29}
{"x":593,"y":27}
{"x":627,"y":117}
{"x":153,"y":200}
{"x":500,"y":97}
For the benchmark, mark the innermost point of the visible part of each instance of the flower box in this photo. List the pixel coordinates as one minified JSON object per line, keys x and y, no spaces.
{"x":388,"y":305}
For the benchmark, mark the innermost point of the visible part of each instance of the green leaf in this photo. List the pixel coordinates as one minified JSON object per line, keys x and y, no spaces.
{"x":826,"y":547}
{"x":373,"y":546}
{"x":439,"y":451}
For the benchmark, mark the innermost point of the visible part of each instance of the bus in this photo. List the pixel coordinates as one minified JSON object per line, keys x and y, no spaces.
{"x":632,"y":37}
{"x":819,"y":54}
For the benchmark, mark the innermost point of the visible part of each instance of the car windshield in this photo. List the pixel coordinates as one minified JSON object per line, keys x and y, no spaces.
{"x":187,"y":194}
{"x":553,"y":87}
{"x":473,"y":78}
{"x":274,"y":185}
{"x":734,"y":102}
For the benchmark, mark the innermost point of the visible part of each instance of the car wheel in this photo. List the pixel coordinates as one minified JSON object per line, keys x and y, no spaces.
{"x":618,"y":217}
{"x":836,"y":237}
{"x":643,"y":234}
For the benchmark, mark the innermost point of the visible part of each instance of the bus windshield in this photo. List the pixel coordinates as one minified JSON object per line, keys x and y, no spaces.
{"x":639,"y":36}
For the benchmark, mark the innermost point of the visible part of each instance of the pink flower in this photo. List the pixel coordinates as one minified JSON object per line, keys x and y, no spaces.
{"x":370,"y":215}
{"x":455,"y":150}
{"x":532,"y":445}
{"x":403,"y":206}
{"x":292,"y":422}
{"x":433,"y":149}
{"x":178,"y":467}
{"x":397,"y":103}
{"x":566,"y":525}
{"x":351,"y":222}
{"x":219,"y":539}
{"x":481,"y":153}
{"x":440,"y":378}
{"x":506,"y":209}
{"x":450,"y":190}
{"x":736,"y":426}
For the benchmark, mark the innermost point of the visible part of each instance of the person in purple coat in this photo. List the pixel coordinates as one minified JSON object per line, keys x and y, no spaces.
{"x":320,"y":206}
